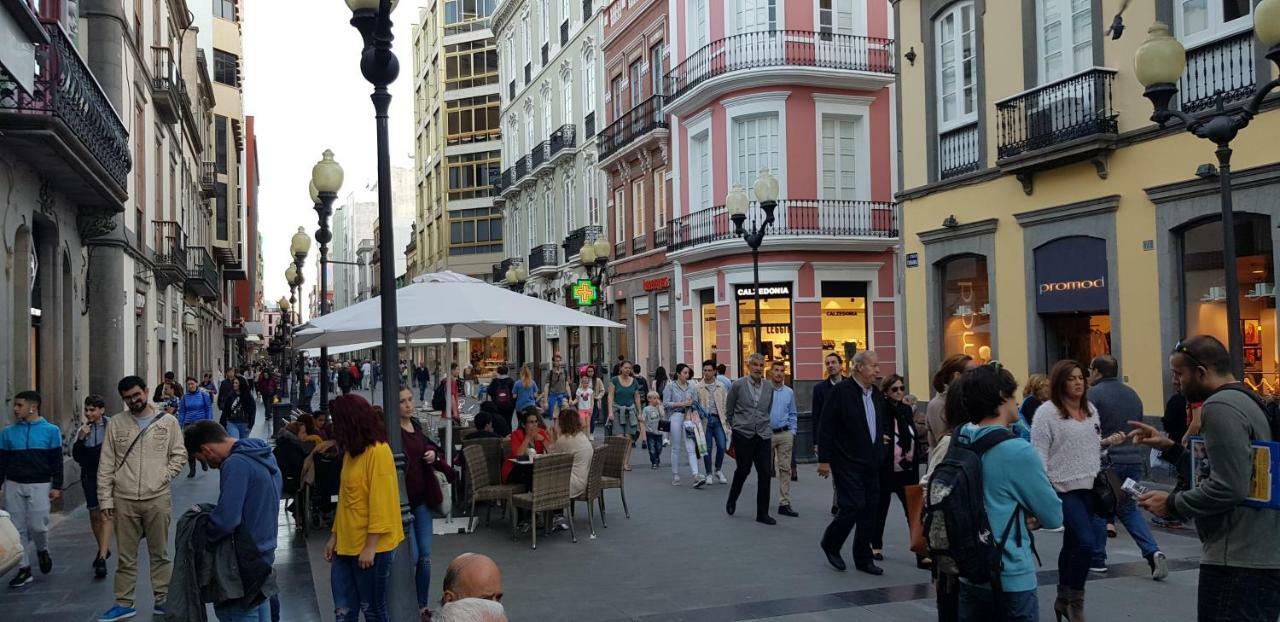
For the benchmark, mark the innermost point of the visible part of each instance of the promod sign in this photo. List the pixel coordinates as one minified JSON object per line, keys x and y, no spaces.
{"x":585,"y":293}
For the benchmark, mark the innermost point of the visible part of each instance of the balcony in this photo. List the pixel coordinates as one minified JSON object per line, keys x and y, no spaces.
{"x":66,"y":128}
{"x":619,"y":250}
{"x":1227,"y":67}
{"x":647,"y":121}
{"x":522,"y":169}
{"x":661,"y":236}
{"x":798,"y":223}
{"x":170,"y":252}
{"x":164,"y":86}
{"x":588,"y":126}
{"x":575,"y":240}
{"x":544,"y":258}
{"x":958,"y":151}
{"x":500,"y":269}
{"x":1071,"y":120}
{"x":538,"y":158}
{"x":777,"y":57}
{"x":208,"y":180}
{"x":564,"y":143}
{"x":638,"y":245}
{"x":506,"y":184}
{"x":202,"y":274}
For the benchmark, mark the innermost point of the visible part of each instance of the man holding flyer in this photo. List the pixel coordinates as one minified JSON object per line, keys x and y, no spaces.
{"x":1240,"y":559}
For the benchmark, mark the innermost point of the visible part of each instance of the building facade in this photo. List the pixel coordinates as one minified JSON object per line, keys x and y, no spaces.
{"x":805,"y":91}
{"x":550,"y":186}
{"x":1047,"y":218}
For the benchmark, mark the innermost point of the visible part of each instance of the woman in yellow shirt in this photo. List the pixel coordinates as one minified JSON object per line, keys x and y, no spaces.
{"x":366,"y":525}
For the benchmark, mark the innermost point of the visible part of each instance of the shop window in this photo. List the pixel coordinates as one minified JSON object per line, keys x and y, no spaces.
{"x":845,"y":323}
{"x":966,"y":307}
{"x":707,"y":309}
{"x":775,"y":323}
{"x":1205,"y":294}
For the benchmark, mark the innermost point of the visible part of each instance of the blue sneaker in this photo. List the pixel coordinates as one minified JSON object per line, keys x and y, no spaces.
{"x":117,"y":612}
{"x":158,"y":609}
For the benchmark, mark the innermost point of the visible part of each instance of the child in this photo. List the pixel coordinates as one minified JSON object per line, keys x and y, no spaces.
{"x":654,"y":418}
{"x":87,"y":451}
{"x":586,"y":400}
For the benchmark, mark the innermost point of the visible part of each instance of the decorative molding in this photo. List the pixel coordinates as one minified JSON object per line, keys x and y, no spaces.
{"x":769,"y":97}
{"x":1070,"y":211}
{"x":1242,"y":179}
{"x":94,"y":223}
{"x":966,"y":230}
{"x":843,"y":100}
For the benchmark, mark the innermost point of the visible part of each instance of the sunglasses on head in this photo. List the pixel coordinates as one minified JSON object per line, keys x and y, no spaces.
{"x":1181,"y":348}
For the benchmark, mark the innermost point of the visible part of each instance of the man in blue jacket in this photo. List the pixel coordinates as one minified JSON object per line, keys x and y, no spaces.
{"x":31,"y":472}
{"x":248,"y":494}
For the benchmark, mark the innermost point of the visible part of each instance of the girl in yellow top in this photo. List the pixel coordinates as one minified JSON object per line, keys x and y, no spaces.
{"x":366,"y":525}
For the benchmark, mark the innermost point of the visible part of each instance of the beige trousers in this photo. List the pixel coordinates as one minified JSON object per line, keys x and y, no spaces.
{"x":783,"y":444}
{"x":134,"y":521}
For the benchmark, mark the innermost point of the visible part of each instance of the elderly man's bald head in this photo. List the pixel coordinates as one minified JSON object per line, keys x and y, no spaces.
{"x":472,"y":575}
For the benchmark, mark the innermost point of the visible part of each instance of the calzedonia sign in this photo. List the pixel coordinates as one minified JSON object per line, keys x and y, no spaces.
{"x":1071,"y":276}
{"x":767,"y":290}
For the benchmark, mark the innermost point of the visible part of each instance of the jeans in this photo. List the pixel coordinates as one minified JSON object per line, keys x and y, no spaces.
{"x":422,"y":391}
{"x":420,"y":547}
{"x":28,"y":506}
{"x":555,"y":401}
{"x":261,"y":613}
{"x":238,"y":429}
{"x":655,"y":448}
{"x":978,"y":604}
{"x":357,"y":590}
{"x":1077,"y":538}
{"x":1230,"y":594}
{"x":715,"y":436}
{"x":1130,"y":516}
{"x":678,"y":447}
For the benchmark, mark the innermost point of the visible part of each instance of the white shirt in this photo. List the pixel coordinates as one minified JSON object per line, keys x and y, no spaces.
{"x":868,"y":407}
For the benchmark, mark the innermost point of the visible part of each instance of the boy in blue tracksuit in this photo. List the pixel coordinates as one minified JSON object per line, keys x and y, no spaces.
{"x":31,"y":473}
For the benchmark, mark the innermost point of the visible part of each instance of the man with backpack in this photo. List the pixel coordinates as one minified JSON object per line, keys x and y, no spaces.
{"x":1240,"y":558}
{"x":979,"y":499}
{"x":501,"y":392}
{"x":31,"y":473}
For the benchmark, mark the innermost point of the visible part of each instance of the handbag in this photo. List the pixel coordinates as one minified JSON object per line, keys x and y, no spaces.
{"x":664,"y":425}
{"x":1107,"y":493}
{"x":11,"y":551}
{"x":915,"y":511}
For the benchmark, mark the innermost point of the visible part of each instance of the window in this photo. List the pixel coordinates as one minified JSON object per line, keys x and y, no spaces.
{"x":589,"y":77}
{"x":456,"y":11}
{"x":698,"y":34}
{"x":470,"y":175}
{"x":569,"y":204}
{"x":836,"y":16}
{"x":655,"y":67}
{"x":220,"y":143}
{"x":839,"y":158}
{"x":528,"y":43}
{"x":226,"y":9}
{"x":659,"y":200}
{"x":956,"y":79}
{"x":475,"y":231}
{"x":845,"y":318}
{"x":700,"y":155}
{"x":546,"y":113}
{"x":1201,"y":21}
{"x":615,"y":91}
{"x":636,"y":73}
{"x":566,"y":93}
{"x":564,"y":12}
{"x":619,"y":218}
{"x":1065,"y":37}
{"x":755,"y":141}
{"x":225,"y":68}
{"x":757,"y":15}
{"x":222,"y":215}
{"x":472,"y":119}
{"x":593,"y":205}
{"x":544,"y":14}
{"x":549,"y":215}
{"x":474,"y":63}
{"x":530,"y":132}
{"x":533,"y":233}
{"x":966,"y":307}
{"x":775,"y":323}
{"x":637,"y":208}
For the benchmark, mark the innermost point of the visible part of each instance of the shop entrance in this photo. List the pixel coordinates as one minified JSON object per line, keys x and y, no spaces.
{"x":1072,"y":300}
{"x":1076,"y":336}
{"x":775,"y":325}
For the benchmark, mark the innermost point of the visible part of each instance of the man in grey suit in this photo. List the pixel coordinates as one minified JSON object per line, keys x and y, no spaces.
{"x":747,"y":407}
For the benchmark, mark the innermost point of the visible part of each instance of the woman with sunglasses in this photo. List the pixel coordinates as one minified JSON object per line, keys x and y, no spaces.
{"x":899,"y":467}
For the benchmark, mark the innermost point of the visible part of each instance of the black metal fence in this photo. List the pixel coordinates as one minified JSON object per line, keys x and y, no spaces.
{"x":565,"y":137}
{"x":544,"y":256}
{"x":792,"y":217}
{"x":1075,"y":107}
{"x":647,"y":116}
{"x":958,"y":151}
{"x":1227,"y":66}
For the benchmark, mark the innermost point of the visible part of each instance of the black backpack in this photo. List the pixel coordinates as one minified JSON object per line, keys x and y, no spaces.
{"x":1270,"y":411}
{"x":437,"y":397}
{"x":502,"y":398}
{"x":955,"y":514}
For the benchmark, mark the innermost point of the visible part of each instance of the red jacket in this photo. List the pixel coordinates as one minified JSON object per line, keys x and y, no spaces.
{"x":517,"y":439}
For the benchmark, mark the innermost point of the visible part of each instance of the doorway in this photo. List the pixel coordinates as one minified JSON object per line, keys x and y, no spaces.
{"x":1076,"y":336}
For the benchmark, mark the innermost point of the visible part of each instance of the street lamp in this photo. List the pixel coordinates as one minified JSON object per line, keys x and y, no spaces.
{"x":1158,"y":65}
{"x":516,"y":277}
{"x":326,"y":181}
{"x":299,"y":246}
{"x":766,"y":190}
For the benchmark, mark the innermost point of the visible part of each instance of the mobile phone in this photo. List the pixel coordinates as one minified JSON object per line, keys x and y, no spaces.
{"x":1133,"y":488}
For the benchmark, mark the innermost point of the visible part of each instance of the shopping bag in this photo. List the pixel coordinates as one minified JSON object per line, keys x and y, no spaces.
{"x":915,"y":510}
{"x":11,"y":551}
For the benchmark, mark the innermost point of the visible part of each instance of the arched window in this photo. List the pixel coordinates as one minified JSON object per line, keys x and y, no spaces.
{"x":966,"y":306}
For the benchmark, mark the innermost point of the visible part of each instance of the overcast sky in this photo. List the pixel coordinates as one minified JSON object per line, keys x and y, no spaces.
{"x":303,"y":85}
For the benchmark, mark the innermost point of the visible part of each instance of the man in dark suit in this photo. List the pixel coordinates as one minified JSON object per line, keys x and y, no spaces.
{"x":850,"y":442}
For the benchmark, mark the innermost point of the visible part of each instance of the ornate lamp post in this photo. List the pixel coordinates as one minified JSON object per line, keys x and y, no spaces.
{"x":299,"y":246}
{"x":516,"y":277}
{"x":595,"y":258}
{"x":326,"y":181}
{"x":766,"y":191}
{"x":1158,"y":65}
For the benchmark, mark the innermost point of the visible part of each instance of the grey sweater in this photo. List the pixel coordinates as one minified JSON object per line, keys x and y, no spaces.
{"x":1071,"y":450}
{"x":1117,"y":405}
{"x":1230,"y":533}
{"x":747,"y":414}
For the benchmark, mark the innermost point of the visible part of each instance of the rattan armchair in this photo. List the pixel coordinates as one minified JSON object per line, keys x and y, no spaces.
{"x":551,"y":475}
{"x":615,"y":454}
{"x":593,"y":491}
{"x":479,"y":488}
{"x":493,"y":456}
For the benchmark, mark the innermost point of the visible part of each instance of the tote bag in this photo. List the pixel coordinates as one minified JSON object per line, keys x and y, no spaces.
{"x":915,"y":508}
{"x":11,"y":550}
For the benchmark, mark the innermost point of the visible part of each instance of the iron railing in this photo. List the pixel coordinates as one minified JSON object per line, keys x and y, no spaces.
{"x":1227,"y":66}
{"x":794,"y":218}
{"x":958,"y":151}
{"x":500,"y":269}
{"x":589,"y":125}
{"x":164,"y":87}
{"x":565,"y":137}
{"x":522,"y":168}
{"x":171,"y":247}
{"x":66,"y":90}
{"x":539,"y":155}
{"x":661,"y":236}
{"x":620,"y":250}
{"x":775,"y":48}
{"x":208,"y":179}
{"x":578,"y":237}
{"x":501,"y":182}
{"x":638,"y":244}
{"x":202,"y":278}
{"x":1074,"y":107}
{"x":644,"y":118}
{"x":544,"y":256}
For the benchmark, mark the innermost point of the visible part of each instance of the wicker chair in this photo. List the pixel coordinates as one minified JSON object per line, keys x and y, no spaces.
{"x":615,"y":453}
{"x":551,"y":474}
{"x":478,"y":485}
{"x":493,"y":456}
{"x":593,"y":491}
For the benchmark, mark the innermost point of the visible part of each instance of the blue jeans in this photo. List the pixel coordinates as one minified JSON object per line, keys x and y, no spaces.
{"x":655,"y":448}
{"x":261,"y":613}
{"x":715,"y":436}
{"x":978,"y":604}
{"x":238,"y":429}
{"x":420,"y":547}
{"x":1230,"y":594}
{"x":1077,"y":538}
{"x":357,"y":590}
{"x":1130,"y":516}
{"x":554,"y":402}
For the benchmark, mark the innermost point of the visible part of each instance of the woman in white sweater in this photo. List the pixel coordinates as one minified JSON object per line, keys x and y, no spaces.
{"x":1067,"y":435}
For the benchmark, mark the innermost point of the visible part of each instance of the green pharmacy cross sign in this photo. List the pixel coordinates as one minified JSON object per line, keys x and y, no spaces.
{"x":585,"y":292}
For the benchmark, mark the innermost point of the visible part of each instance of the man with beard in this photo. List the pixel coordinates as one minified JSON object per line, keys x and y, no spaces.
{"x":143,"y":452}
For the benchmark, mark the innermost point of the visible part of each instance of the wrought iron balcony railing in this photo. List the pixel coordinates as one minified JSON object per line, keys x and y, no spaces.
{"x":563,"y":140}
{"x":539,"y":154}
{"x":574,"y":241}
{"x":171,"y":251}
{"x":164,"y":85}
{"x":501,"y":182}
{"x":775,"y":48}
{"x":638,"y":244}
{"x":958,"y":151}
{"x":1227,"y":66}
{"x":1075,"y":107}
{"x":589,"y":125}
{"x":202,"y":277}
{"x":639,"y":121}
{"x":500,"y":269}
{"x":544,"y":256}
{"x":795,"y":218}
{"x":661,"y":236}
{"x":208,"y":179}
{"x":522,"y":169}
{"x":620,"y":250}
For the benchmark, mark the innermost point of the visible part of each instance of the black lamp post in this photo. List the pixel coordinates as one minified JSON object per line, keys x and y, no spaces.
{"x":380,"y":67}
{"x":595,"y":259}
{"x":766,"y":190}
{"x":1159,"y":64}
{"x":326,"y":180}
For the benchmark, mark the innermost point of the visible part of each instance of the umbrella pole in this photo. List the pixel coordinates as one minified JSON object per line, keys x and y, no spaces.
{"x":448,"y":403}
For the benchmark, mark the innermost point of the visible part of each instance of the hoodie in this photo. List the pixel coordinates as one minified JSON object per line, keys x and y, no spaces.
{"x":1013,"y":476}
{"x":248,"y":493}
{"x":31,"y":453}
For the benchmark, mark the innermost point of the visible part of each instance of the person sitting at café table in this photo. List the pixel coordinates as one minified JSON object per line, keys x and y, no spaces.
{"x":530,"y":435}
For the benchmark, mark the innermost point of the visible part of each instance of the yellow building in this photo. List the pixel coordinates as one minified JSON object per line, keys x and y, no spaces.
{"x":1046,"y":217}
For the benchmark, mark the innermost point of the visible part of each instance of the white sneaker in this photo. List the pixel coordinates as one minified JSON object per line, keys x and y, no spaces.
{"x":666,"y":442}
{"x":720,"y":476}
{"x":675,"y":480}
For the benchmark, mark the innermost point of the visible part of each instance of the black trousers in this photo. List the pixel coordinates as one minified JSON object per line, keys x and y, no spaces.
{"x":752,"y":451}
{"x":890,"y":484}
{"x":858,"y":498}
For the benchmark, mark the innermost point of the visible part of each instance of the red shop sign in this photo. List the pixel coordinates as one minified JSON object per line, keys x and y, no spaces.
{"x":657,"y":284}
